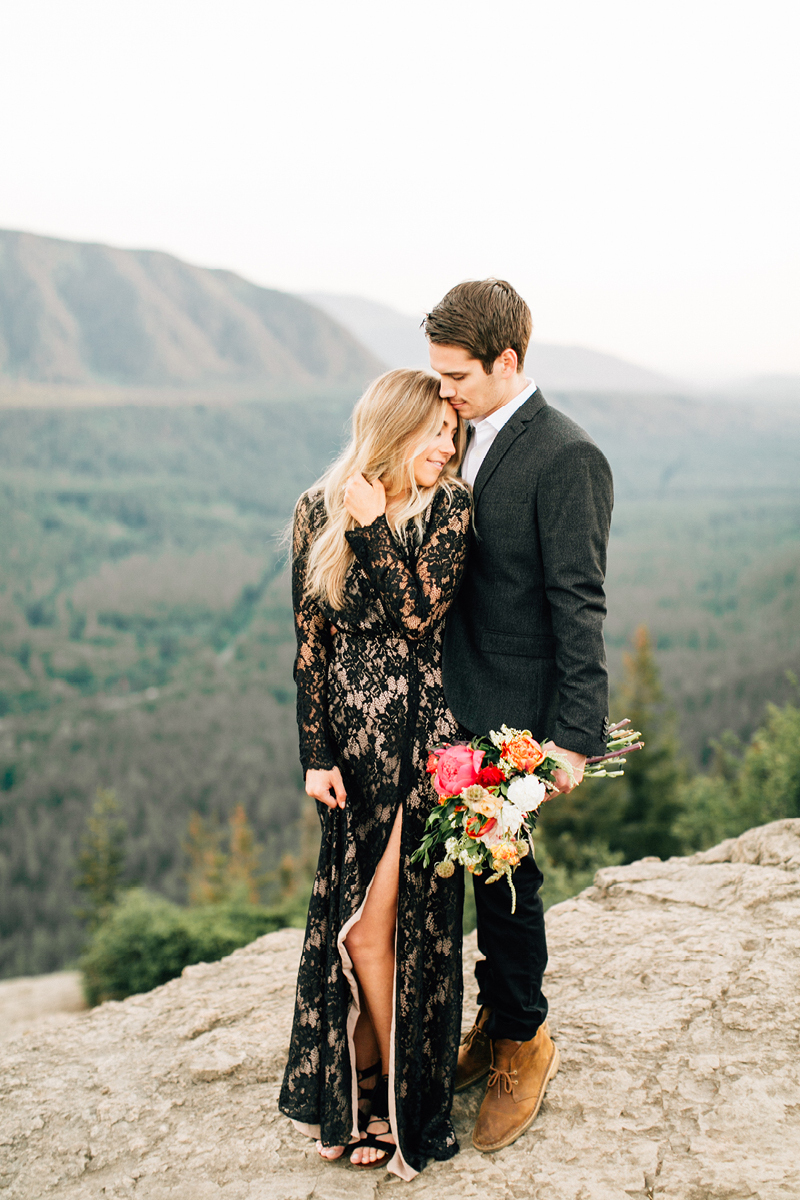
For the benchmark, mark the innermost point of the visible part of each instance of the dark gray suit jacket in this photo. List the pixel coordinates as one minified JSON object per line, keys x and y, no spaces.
{"x":523,"y":642}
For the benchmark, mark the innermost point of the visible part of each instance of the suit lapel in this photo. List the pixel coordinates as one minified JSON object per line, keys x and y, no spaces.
{"x":505,"y":438}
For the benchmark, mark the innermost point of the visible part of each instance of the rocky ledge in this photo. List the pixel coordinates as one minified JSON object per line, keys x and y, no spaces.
{"x":673,"y":989}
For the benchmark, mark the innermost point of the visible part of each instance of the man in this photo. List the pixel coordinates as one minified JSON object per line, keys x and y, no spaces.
{"x":523,"y":647}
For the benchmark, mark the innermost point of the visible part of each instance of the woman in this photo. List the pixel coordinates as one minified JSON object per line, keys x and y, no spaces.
{"x":378,"y":552}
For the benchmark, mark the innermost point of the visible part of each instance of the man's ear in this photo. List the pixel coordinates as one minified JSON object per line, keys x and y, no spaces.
{"x":507,"y":363}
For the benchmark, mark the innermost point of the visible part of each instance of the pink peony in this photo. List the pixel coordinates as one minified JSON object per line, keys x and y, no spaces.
{"x":458,"y":769}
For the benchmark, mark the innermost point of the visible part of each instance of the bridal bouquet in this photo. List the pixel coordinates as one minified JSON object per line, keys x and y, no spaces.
{"x":490,"y":791}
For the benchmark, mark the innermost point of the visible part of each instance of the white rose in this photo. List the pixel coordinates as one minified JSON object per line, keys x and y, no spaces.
{"x":511,"y":818}
{"x":526,"y":792}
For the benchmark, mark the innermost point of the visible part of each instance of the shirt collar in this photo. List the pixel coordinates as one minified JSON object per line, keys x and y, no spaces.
{"x":499,"y":418}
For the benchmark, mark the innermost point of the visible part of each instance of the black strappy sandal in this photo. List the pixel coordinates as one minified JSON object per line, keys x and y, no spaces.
{"x":366,"y":1094}
{"x":375,"y":1140}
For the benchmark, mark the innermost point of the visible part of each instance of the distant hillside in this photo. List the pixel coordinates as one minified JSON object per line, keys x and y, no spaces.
{"x":771,"y":388}
{"x":79,"y":315}
{"x":397,"y":339}
{"x":576,"y":369}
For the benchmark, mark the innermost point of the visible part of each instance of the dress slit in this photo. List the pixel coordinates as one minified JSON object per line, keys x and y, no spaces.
{"x":397,"y":1164}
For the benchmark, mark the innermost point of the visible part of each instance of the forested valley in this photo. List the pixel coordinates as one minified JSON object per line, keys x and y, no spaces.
{"x":146,"y":640}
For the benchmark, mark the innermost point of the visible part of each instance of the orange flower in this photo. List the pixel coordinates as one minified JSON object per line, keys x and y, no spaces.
{"x":506,"y":853}
{"x":524,"y":752}
{"x":475,"y":828}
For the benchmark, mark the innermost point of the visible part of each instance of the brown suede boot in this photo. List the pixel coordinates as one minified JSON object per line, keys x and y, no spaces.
{"x":519,"y":1075}
{"x":474,"y":1054}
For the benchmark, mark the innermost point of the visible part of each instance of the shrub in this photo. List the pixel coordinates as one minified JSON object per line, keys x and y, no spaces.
{"x":146,"y":941}
{"x":748,"y":786}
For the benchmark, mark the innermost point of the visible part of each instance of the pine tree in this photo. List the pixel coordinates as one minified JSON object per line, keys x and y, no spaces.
{"x":206,"y":875}
{"x":650,"y":786}
{"x":748,"y":785}
{"x":244,"y":878}
{"x":215,"y":876}
{"x":101,"y":858}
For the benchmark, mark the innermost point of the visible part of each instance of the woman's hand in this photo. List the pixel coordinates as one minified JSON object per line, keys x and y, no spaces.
{"x":327,"y":787}
{"x":363,"y":500}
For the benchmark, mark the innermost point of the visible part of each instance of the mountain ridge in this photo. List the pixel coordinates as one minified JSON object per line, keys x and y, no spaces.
{"x":85,"y":315}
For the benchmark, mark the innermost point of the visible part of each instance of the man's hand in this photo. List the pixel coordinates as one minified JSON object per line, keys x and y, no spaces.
{"x":564,"y":785}
{"x":364,"y":500}
{"x":327,"y":787}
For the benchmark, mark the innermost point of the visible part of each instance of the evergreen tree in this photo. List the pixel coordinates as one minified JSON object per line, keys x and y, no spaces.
{"x":747,"y":786}
{"x":768,"y":784}
{"x":101,"y":858}
{"x":244,"y":878}
{"x":649,"y":790}
{"x":206,"y":875}
{"x":293,"y":880}
{"x":215,"y":876}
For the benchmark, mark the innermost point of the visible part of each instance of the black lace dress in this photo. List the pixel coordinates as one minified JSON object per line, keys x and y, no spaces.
{"x":370,"y":700}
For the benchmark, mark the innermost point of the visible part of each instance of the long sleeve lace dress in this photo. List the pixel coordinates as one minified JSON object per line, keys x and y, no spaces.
{"x":370,"y":700}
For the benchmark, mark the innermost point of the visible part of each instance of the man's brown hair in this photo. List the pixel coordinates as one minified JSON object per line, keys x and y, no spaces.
{"x":484,"y":317}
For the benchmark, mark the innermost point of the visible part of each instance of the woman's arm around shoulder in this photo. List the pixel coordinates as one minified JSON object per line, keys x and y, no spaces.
{"x":417,"y":597}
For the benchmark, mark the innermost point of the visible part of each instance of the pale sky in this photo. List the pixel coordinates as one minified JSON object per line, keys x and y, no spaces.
{"x":631,"y":167}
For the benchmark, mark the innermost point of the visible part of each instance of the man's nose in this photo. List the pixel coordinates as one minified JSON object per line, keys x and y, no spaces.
{"x":446,"y":389}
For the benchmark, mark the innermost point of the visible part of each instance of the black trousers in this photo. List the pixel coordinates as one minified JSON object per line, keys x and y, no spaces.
{"x":515,"y":953}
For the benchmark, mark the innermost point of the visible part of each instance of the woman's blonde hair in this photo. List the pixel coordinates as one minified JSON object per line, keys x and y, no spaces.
{"x":398,"y":416}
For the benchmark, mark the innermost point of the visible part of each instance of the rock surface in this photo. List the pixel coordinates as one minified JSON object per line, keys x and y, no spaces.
{"x":673,"y":990}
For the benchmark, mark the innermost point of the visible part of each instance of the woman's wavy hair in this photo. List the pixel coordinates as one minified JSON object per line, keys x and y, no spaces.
{"x":399,"y":414}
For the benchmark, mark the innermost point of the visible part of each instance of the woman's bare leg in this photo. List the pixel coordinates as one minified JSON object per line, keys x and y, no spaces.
{"x":366,"y":1044}
{"x":370,"y":945}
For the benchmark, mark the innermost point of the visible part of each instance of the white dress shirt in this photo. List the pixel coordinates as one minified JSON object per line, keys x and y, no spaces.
{"x":486,"y":430}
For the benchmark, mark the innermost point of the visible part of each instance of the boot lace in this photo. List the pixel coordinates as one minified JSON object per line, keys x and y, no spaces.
{"x":504,"y":1079}
{"x":469,"y":1037}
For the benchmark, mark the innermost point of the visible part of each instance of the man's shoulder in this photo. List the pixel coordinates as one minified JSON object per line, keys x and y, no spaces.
{"x":553,"y":433}
{"x":556,"y":424}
